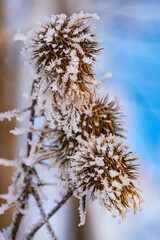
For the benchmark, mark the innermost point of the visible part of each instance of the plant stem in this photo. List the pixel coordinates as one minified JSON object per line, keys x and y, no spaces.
{"x":43,"y":214}
{"x":28,"y":172}
{"x":39,"y":224}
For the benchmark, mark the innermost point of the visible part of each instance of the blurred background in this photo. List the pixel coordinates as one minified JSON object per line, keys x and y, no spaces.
{"x":130,"y":35}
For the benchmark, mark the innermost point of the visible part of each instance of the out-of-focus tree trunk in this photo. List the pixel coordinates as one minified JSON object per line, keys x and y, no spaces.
{"x":63,"y":7}
{"x":7,"y":101}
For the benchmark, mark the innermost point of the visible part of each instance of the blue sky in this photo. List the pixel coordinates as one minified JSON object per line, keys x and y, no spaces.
{"x":130,"y":36}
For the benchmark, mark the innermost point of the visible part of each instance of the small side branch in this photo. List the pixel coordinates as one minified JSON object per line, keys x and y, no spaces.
{"x":43,"y":214}
{"x":17,"y":220}
{"x":27,"y":170}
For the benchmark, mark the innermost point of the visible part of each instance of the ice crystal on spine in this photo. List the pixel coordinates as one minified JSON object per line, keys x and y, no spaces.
{"x":102,"y":117}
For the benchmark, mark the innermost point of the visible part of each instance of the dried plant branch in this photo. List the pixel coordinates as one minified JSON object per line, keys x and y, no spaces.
{"x":39,"y":224}
{"x":43,"y":214}
{"x":28,"y":171}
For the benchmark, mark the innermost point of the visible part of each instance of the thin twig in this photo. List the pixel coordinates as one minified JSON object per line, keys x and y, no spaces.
{"x":46,"y":184}
{"x":43,"y":214}
{"x":39,"y":224}
{"x":28,"y":170}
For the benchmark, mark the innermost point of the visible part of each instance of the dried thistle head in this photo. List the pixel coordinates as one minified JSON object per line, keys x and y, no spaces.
{"x":102,"y":117}
{"x":104,"y":167}
{"x":96,"y":117}
{"x":63,"y":49}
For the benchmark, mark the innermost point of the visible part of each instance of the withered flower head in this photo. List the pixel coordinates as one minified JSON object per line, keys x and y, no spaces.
{"x":102,"y":117}
{"x":96,"y":117}
{"x":104,"y":167}
{"x":64,"y":48}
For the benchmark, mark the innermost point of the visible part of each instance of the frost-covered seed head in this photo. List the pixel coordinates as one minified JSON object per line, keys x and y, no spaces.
{"x":102,"y":117}
{"x":96,"y":117}
{"x":107,"y":170}
{"x":64,"y":47}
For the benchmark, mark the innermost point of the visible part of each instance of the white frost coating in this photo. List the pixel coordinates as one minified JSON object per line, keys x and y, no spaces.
{"x":20,"y":131}
{"x":3,"y":208}
{"x":33,"y":156}
{"x":87,"y":60}
{"x":115,"y":157}
{"x":7,"y":163}
{"x":125,"y":180}
{"x":110,"y":154}
{"x":113,"y":173}
{"x":99,"y":161}
{"x":95,"y":16}
{"x":82,"y":213}
{"x":9,"y":114}
{"x":20,"y":36}
{"x":49,"y":35}
{"x":111,"y":195}
{"x":117,"y":185}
